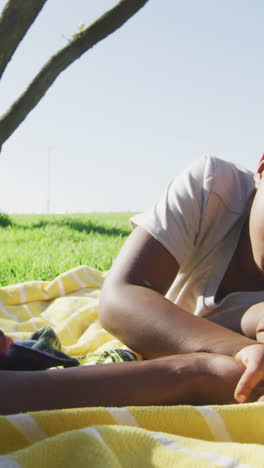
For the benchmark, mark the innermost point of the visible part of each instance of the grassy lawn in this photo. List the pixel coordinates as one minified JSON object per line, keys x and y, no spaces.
{"x":37,"y":247}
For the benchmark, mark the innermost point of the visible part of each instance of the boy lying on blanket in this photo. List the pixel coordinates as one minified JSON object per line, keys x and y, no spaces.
{"x":186,"y":293}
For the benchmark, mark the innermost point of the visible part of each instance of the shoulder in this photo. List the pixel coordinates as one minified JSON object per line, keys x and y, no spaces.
{"x":211,"y":175}
{"x":209,"y":168}
{"x":231,"y":182}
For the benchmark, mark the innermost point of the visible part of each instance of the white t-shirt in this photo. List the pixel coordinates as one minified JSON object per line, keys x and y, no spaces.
{"x":198,"y":220}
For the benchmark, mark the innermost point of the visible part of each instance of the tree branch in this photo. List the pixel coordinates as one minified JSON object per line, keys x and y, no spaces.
{"x":15,"y":20}
{"x":105,"y":25}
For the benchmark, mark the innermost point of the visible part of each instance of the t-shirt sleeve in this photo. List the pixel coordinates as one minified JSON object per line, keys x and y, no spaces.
{"x":175,"y":219}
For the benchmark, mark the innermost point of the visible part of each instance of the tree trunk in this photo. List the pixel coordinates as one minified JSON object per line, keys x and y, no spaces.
{"x":105,"y":25}
{"x":16,"y":19}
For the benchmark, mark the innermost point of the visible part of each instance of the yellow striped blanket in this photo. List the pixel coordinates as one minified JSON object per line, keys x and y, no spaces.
{"x":229,"y":436}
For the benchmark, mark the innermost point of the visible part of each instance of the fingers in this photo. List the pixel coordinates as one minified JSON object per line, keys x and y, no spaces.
{"x":252,"y":357}
{"x":247,"y":383}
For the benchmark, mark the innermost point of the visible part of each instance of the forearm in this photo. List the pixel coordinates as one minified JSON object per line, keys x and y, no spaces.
{"x":198,"y":378}
{"x":153,"y":326}
{"x":164,"y":381}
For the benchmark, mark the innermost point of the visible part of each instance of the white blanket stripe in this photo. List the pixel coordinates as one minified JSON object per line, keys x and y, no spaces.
{"x":27,"y":308}
{"x":68,"y":327}
{"x":35,"y":326}
{"x":7,"y":312}
{"x":61,"y":287}
{"x":42,"y":291}
{"x":28,"y":426}
{"x":79,"y":280}
{"x":94,"y":432}
{"x":99,"y":283}
{"x":225,"y":461}
{"x":123,"y":416}
{"x":22,"y":292}
{"x":215,"y":423}
{"x":7,"y":462}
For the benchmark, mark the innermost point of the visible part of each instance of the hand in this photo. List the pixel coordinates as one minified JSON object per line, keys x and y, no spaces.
{"x":206,"y":378}
{"x":252,"y":357}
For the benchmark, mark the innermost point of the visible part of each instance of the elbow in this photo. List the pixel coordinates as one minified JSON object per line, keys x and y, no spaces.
{"x":112,"y":311}
{"x":117,"y":312}
{"x":106,"y":309}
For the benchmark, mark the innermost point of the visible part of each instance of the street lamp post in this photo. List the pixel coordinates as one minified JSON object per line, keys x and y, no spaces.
{"x":49,"y":176}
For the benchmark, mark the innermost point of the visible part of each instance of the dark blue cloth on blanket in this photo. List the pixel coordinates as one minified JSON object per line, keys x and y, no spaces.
{"x":42,"y":351}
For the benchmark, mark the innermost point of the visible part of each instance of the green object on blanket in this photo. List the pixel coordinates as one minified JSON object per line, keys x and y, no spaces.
{"x":106,"y":357}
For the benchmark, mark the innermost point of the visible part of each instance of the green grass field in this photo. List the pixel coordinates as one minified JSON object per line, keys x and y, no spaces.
{"x":39,"y":247}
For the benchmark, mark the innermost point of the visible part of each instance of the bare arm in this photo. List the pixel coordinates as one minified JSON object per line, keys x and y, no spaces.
{"x":119,"y":384}
{"x":134,"y":309}
{"x":256,"y":226}
{"x":184,"y":379}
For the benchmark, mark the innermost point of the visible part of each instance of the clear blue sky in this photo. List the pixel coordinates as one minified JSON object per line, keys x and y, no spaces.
{"x":178,"y":80}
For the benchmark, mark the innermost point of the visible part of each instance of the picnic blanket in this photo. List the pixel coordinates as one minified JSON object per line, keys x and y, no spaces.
{"x":174,"y":436}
